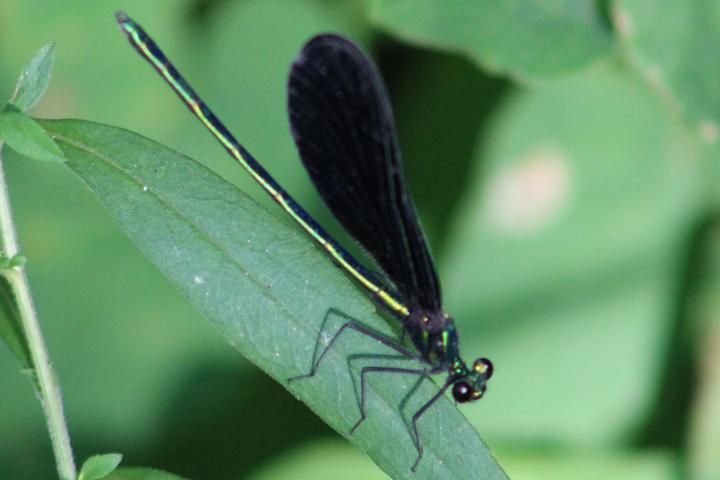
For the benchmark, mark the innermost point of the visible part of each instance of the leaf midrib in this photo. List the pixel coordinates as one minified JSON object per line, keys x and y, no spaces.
{"x":211,"y":241}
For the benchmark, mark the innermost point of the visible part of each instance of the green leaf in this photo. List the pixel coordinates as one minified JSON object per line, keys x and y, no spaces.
{"x":267,"y":289}
{"x":26,"y":137}
{"x":11,"y":330}
{"x":674,"y":45}
{"x":17,"y":261}
{"x":618,"y":465}
{"x":14,"y":262}
{"x":99,"y":466}
{"x":34,"y":79}
{"x":137,"y":473}
{"x":310,"y":462}
{"x":528,"y":40}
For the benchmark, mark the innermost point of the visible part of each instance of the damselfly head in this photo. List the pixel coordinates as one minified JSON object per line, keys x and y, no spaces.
{"x":472,"y":386}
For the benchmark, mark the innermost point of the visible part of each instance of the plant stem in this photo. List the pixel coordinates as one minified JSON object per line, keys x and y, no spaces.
{"x":45,"y":382}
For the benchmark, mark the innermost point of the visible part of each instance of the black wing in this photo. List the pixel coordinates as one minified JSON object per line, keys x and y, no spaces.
{"x":343,"y":126}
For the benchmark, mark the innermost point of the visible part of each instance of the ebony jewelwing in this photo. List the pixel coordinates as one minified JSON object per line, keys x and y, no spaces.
{"x":343,"y":126}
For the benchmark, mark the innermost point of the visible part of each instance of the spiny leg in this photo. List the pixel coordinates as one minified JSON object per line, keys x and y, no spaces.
{"x":415,"y":387}
{"x":406,"y":371}
{"x":407,"y":397}
{"x":351,"y":359}
{"x":352,"y":324}
{"x":417,"y":416}
{"x":318,"y":340}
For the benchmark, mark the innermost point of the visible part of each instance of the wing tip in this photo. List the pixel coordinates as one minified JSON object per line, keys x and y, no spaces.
{"x":332,"y":42}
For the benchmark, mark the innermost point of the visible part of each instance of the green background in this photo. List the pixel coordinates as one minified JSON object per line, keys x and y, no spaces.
{"x":563,"y":158}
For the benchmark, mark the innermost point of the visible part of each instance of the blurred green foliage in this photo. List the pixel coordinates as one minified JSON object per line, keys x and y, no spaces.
{"x":565,"y":167}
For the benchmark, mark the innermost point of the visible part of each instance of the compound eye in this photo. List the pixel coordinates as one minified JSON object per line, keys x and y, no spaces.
{"x":484,"y":367}
{"x":478,"y":394}
{"x":462,"y":392}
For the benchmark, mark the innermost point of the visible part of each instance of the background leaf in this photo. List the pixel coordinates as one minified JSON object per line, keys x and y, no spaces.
{"x":674,"y":46}
{"x":528,"y":40}
{"x":310,"y":463}
{"x":11,"y":329}
{"x":23,"y":135}
{"x":556,"y":234}
{"x":648,"y":465}
{"x":141,"y":474}
{"x":34,"y":78}
{"x":248,"y":273}
{"x":99,"y":466}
